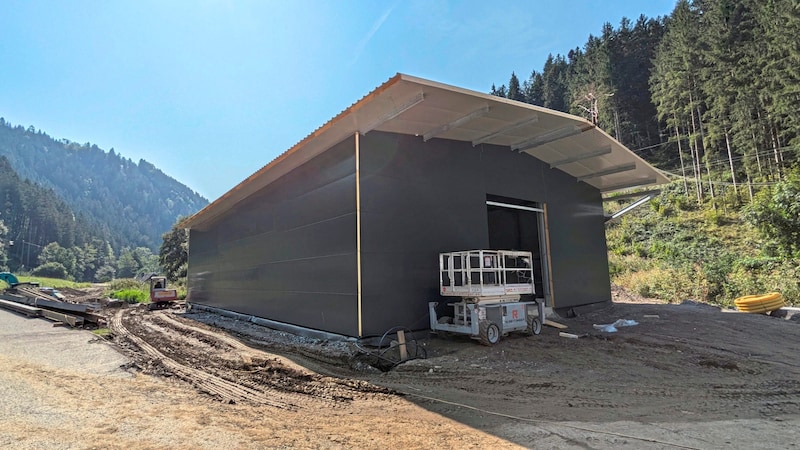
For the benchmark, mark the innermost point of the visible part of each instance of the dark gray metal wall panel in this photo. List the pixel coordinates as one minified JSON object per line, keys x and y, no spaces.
{"x":203,"y":243}
{"x":578,"y":242}
{"x":578,"y":252}
{"x":416,"y":201}
{"x":513,"y":174}
{"x":321,"y":311}
{"x":325,"y":274}
{"x":314,"y":240}
{"x":288,"y":252}
{"x":579,"y":256}
{"x":396,"y":288}
{"x":421,"y":198}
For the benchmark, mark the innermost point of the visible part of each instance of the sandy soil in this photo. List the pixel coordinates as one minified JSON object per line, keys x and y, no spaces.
{"x":687,"y":376}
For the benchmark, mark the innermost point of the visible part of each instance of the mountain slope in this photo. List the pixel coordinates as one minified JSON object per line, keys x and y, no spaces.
{"x":131,"y":204}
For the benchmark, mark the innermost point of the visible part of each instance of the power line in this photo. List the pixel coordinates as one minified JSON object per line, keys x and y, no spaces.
{"x":765,"y":153}
{"x":651,"y":146}
{"x":718,"y":183}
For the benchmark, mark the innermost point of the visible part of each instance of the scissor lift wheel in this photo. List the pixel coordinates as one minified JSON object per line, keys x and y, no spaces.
{"x":534,"y":325}
{"x":488,"y":332}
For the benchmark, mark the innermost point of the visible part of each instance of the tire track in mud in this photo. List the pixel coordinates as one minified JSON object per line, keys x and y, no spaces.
{"x":242,"y":349}
{"x":276,"y":371}
{"x":230,"y":370}
{"x":222,"y":388}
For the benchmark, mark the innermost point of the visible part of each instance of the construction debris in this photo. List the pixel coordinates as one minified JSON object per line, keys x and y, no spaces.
{"x":571,"y":335}
{"x":553,"y":324}
{"x":29,"y":299}
{"x":612,"y":327}
{"x":29,"y":311}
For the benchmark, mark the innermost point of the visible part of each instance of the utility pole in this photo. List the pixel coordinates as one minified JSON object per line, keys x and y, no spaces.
{"x":593,"y":110}
{"x":28,"y":255}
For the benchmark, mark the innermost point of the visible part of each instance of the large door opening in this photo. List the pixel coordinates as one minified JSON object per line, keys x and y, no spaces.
{"x":519,"y":225}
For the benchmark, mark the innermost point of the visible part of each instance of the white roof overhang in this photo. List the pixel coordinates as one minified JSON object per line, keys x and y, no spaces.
{"x":419,"y":107}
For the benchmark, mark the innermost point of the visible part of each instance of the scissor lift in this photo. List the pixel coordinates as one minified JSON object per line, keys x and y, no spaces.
{"x":490,"y":284}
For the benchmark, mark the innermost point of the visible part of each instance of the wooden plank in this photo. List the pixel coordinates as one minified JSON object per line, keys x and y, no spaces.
{"x":401,"y":340}
{"x":570,"y":335}
{"x":560,"y":326}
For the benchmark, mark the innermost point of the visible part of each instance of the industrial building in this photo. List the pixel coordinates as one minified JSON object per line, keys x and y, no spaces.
{"x":341,"y":233}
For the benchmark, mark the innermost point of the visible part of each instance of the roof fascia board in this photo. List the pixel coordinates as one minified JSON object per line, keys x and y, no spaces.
{"x":345,"y":124}
{"x":492,"y":98}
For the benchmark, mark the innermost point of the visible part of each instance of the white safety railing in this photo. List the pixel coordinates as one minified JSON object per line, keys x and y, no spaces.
{"x":485,"y":273}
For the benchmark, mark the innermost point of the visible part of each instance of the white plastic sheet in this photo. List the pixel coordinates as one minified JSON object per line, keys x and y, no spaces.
{"x":612,"y":327}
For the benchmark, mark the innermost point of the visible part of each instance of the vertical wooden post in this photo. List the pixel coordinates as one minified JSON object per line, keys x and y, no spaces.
{"x":358,"y":231}
{"x":401,"y":341}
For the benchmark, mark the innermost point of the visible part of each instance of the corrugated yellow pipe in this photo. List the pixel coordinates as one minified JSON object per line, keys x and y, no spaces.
{"x":760,"y":304}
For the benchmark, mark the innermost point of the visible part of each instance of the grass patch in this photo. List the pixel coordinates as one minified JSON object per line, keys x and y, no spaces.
{"x":54,"y":282}
{"x":127,"y":283}
{"x":102,"y":332}
{"x":130,"y":295}
{"x":695,"y":253}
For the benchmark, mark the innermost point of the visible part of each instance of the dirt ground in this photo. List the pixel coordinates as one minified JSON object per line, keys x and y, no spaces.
{"x":687,"y":376}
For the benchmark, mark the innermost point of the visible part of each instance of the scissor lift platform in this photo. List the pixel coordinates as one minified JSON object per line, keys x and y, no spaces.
{"x":490,"y":284}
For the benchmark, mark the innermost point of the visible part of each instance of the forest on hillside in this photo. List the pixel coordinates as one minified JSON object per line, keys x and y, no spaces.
{"x":75,"y":211}
{"x":710,"y":95}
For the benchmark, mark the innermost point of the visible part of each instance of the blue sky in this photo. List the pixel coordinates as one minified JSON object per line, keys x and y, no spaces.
{"x":210,"y":91}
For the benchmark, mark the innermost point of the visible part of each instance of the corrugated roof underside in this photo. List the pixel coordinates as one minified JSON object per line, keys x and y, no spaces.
{"x":414,"y":106}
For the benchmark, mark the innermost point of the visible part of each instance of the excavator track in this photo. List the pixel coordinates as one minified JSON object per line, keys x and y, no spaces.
{"x":224,"y":389}
{"x":220,"y":365}
{"x":244,"y":350}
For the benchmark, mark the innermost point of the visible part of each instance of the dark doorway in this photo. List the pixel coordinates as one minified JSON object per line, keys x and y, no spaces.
{"x":515,"y":225}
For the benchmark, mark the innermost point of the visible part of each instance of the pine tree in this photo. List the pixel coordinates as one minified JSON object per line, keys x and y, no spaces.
{"x":174,"y":252}
{"x":533,"y":89}
{"x":554,"y":83}
{"x":514,"y":90}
